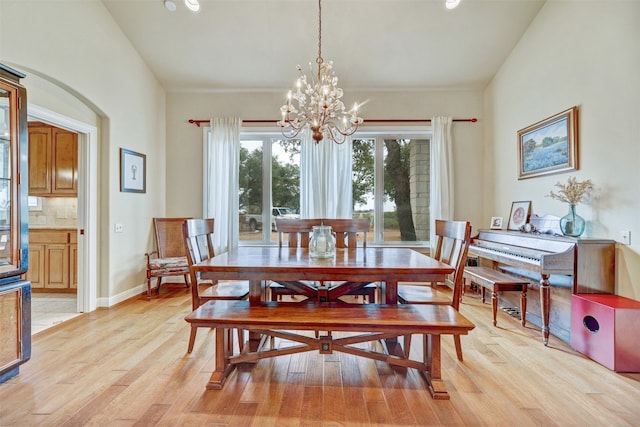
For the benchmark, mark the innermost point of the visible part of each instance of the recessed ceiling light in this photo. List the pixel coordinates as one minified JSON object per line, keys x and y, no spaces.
{"x":451,"y":4}
{"x":170,"y":5}
{"x":192,"y":5}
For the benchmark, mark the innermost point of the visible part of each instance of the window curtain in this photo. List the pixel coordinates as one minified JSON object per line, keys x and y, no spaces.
{"x":325,"y":178}
{"x":222,"y":163}
{"x":441,"y":203}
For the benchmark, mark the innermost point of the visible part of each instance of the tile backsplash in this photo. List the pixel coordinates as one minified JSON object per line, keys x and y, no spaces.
{"x":54,"y":212}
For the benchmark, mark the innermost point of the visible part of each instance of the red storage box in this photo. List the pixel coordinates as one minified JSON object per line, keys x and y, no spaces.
{"x":606,"y":328}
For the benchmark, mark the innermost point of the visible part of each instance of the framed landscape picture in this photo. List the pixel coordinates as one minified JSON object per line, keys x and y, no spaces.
{"x":549,"y":146}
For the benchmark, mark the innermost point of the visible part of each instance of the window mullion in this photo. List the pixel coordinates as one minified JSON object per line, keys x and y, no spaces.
{"x":266,"y":188}
{"x":378,"y":204}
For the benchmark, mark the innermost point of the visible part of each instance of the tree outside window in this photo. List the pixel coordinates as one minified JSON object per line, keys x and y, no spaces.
{"x":401,"y":210}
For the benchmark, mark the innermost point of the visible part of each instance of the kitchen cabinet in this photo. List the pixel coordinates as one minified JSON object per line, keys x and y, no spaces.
{"x":54,"y":255}
{"x":53,"y":161}
{"x":15,"y":292}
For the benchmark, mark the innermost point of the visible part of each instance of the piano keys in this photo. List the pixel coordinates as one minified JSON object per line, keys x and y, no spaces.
{"x":586,"y":266}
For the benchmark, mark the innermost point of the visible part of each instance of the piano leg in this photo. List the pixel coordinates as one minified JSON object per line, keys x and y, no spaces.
{"x":545,"y":302}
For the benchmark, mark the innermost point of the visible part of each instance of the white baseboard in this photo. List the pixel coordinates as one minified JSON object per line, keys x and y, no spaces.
{"x":122,"y":296}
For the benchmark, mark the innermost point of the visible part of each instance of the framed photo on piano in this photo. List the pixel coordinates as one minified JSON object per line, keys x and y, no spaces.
{"x":549,"y":146}
{"x":496,"y":223}
{"x":519,"y":215}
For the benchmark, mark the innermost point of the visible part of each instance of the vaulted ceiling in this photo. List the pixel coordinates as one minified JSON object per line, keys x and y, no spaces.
{"x":248,"y":45}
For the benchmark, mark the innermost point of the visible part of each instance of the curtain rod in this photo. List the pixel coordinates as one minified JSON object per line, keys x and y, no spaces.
{"x":472,"y":120}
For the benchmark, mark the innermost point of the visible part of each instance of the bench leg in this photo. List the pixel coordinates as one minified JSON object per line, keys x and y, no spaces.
{"x":494,"y":306}
{"x":523,"y":305}
{"x":223,"y":367}
{"x":432,"y":358}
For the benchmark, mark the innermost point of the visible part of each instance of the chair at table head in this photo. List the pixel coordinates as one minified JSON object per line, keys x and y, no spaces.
{"x":169,"y":258}
{"x":292,"y":233}
{"x":348,"y":233}
{"x":452,"y":243}
{"x":197,"y":239}
{"x":296,"y":232}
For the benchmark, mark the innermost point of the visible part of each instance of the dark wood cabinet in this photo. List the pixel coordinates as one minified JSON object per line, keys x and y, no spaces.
{"x":15,"y":293}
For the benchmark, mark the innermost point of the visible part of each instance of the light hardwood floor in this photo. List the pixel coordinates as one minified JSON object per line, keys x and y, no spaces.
{"x":127,"y":365}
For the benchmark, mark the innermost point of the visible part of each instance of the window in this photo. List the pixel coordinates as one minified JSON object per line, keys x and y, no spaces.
{"x":391,"y":183}
{"x":269,"y":177}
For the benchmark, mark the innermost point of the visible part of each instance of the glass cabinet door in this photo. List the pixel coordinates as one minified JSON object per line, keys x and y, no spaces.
{"x":9,"y":229}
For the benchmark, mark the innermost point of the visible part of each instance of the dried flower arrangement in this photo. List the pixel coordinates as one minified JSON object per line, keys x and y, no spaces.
{"x":572,"y":192}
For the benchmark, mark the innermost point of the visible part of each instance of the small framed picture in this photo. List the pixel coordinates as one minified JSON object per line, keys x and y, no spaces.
{"x":133,"y":173}
{"x":519,"y":215}
{"x":496,"y":223}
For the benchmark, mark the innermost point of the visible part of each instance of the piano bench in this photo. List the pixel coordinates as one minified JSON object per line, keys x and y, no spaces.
{"x":496,"y":281}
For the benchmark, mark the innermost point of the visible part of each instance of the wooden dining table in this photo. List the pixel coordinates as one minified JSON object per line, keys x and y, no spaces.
{"x":347,"y":270}
{"x":351,"y":268}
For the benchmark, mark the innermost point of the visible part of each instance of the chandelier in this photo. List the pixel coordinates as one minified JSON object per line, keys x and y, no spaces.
{"x":318,"y":103}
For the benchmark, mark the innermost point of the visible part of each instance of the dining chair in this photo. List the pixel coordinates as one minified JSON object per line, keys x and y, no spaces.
{"x":348,"y":232}
{"x":170,"y":257}
{"x":198,"y":242}
{"x":297,"y":234}
{"x":452,"y":244}
{"x":294,"y":233}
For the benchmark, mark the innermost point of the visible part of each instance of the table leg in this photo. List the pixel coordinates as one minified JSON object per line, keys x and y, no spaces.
{"x":390,"y":292}
{"x":390,"y":296}
{"x":257,"y":295}
{"x":223,"y":367}
{"x":256,"y":292}
{"x":432,"y":358}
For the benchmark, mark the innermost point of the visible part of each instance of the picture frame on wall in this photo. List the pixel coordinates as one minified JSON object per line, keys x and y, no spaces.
{"x":496,"y":223}
{"x":133,"y":171}
{"x":549,"y":146}
{"x":520,"y":212}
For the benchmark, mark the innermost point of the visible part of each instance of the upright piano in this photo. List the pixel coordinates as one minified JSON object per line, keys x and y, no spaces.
{"x":578,"y":265}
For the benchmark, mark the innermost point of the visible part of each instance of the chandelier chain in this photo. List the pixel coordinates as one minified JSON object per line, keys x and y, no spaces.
{"x":319,"y":60}
{"x":318,"y":105}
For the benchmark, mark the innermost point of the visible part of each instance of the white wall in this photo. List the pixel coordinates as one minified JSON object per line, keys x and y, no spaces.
{"x":184,"y":141}
{"x":585,"y":54}
{"x":76,"y":47}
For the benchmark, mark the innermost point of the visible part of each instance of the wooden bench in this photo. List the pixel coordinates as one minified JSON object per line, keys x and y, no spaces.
{"x":496,"y":281}
{"x":375,"y":322}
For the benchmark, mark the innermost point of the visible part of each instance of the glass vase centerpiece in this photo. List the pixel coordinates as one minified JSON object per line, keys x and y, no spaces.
{"x":572,"y":193}
{"x":322,"y":244}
